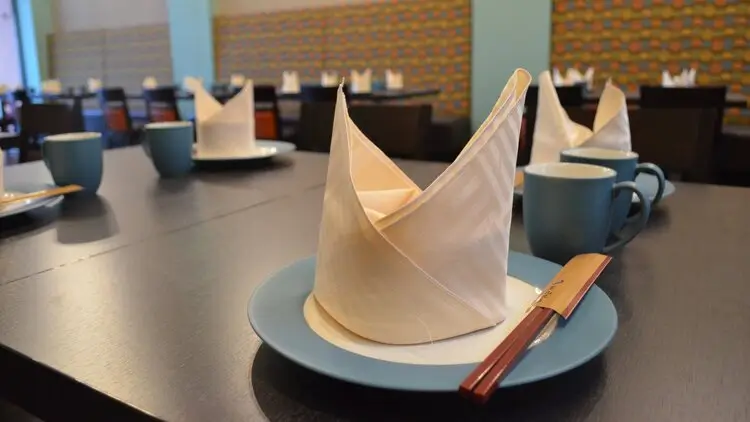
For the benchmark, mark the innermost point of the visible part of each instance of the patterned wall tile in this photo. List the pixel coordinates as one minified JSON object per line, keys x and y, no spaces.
{"x":633,"y":40}
{"x":263,"y":45}
{"x":429,"y":40}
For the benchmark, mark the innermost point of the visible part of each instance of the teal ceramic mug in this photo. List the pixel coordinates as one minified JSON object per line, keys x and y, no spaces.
{"x":625,"y":163}
{"x":567,"y":209}
{"x":75,"y":158}
{"x":170,"y":147}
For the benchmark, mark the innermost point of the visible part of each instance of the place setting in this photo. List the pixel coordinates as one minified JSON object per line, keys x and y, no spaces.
{"x":74,"y":161}
{"x":557,"y":138}
{"x":417,"y":290}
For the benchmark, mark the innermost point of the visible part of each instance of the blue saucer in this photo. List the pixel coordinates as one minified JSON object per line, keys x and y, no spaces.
{"x":275,"y":312}
{"x":647,"y":183}
{"x":29,"y":204}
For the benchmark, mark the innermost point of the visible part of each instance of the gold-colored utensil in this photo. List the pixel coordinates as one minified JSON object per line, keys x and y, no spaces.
{"x":46,"y":193}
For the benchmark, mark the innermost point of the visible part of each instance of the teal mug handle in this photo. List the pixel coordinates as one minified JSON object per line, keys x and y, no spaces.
{"x":639,"y":220}
{"x":146,"y":146}
{"x":45,"y":157}
{"x":654,"y":170}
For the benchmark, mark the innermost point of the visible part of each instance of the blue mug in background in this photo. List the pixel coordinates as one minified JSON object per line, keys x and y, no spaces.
{"x":170,"y":147}
{"x":75,"y":158}
{"x":625,"y":163}
{"x":567,"y":209}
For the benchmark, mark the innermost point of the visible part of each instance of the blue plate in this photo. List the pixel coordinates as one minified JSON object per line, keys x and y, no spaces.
{"x":264,"y":149}
{"x":275,"y":312}
{"x":29,"y":204}
{"x":647,"y":183}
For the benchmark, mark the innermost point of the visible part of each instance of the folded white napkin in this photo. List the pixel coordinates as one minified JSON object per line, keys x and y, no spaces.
{"x":224,"y":131}
{"x":573,"y":76}
{"x":94,"y":84}
{"x":51,"y":86}
{"x":150,"y":83}
{"x":588,"y":78}
{"x":329,"y":79}
{"x":237,"y":80}
{"x":290,"y":82}
{"x":686,"y":78}
{"x":191,"y":83}
{"x":555,"y":132}
{"x":361,"y":82}
{"x":394,"y":80}
{"x":399,"y":265}
{"x":557,"y":77}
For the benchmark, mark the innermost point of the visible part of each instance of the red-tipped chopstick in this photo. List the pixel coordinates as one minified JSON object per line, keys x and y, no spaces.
{"x":485,"y":378}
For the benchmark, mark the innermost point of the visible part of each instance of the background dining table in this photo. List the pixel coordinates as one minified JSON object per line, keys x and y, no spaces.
{"x":132,"y":306}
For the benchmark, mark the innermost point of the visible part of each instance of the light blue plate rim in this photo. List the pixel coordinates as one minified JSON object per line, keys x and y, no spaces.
{"x":282,"y":147}
{"x":646,"y":182}
{"x":31,"y":204}
{"x":275,"y":311}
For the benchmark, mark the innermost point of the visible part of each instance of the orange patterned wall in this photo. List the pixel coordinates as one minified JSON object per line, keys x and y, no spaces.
{"x":429,"y":40}
{"x":633,"y":40}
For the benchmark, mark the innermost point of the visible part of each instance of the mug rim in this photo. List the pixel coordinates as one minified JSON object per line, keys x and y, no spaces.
{"x":606,"y":154}
{"x":168,"y":125}
{"x":73,"y":136}
{"x":567,"y":171}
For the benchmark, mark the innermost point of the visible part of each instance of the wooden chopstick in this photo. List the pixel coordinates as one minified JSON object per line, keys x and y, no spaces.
{"x":62,"y":190}
{"x":485,"y":378}
{"x":521,"y":342}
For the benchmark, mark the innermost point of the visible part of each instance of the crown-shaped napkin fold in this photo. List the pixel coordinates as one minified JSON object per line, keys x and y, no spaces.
{"x":149,"y":82}
{"x":329,"y":79}
{"x":237,"y":80}
{"x":51,"y":86}
{"x":555,"y":132}
{"x":394,"y":80}
{"x":361,"y":82}
{"x":399,"y":265}
{"x":93,"y":84}
{"x":290,"y":82}
{"x":224,"y":131}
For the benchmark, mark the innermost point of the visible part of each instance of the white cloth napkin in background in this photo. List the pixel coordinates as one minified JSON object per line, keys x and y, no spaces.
{"x":237,"y":80}
{"x":573,"y":76}
{"x":588,"y":78}
{"x":692,"y":74}
{"x":150,"y":83}
{"x":51,"y":86}
{"x":557,"y":77}
{"x":290,"y":82}
{"x":329,"y":79}
{"x":361,"y":82}
{"x":555,"y":132}
{"x":399,"y":265}
{"x":686,"y":78}
{"x":224,"y":131}
{"x":394,"y":80}
{"x":94,"y":84}
{"x":190,"y":83}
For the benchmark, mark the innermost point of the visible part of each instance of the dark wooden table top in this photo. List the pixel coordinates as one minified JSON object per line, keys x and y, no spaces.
{"x":97,"y":323}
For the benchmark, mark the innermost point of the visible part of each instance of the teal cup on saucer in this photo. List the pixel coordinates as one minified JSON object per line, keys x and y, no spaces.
{"x":75,"y":158}
{"x":170,"y":147}
{"x":567,"y":209}
{"x":625,"y":163}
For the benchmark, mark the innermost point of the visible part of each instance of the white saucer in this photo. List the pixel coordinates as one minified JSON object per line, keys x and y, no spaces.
{"x":263,"y":149}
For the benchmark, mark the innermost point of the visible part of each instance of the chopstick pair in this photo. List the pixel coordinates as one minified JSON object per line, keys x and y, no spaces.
{"x":561,"y":295}
{"x":61,"y":190}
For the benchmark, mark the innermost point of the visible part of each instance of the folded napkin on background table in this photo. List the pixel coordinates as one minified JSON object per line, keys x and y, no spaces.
{"x":329,"y":79}
{"x":573,"y":77}
{"x":150,"y":83}
{"x":51,"y":86}
{"x":684,"y":79}
{"x":361,"y":82}
{"x":94,"y":84}
{"x":399,"y":265}
{"x":237,"y":80}
{"x":224,"y":131}
{"x":394,"y":80}
{"x":290,"y":82}
{"x":190,"y":84}
{"x":555,"y":132}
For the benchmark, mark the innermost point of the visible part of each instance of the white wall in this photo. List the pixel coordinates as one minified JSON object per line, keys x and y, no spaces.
{"x":10,"y":70}
{"x":82,"y":15}
{"x":241,"y":7}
